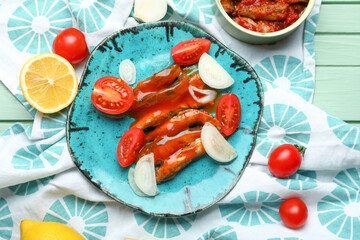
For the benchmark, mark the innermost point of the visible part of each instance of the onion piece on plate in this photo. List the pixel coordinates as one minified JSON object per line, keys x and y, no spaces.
{"x":216,"y":145}
{"x":150,"y":10}
{"x":131,"y":179}
{"x":127,"y":71}
{"x":209,"y":95}
{"x":145,"y":175}
{"x":213,"y":74}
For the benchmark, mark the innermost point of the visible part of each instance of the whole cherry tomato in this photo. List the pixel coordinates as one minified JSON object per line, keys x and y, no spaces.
{"x":112,"y":95}
{"x":190,"y":51}
{"x":284,"y":161}
{"x":293,"y":213}
{"x":129,"y":146}
{"x":228,"y":112}
{"x":71,"y":45}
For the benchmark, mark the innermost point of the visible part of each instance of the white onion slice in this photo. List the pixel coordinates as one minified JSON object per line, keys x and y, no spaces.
{"x":150,"y":10}
{"x":127,"y":71}
{"x":210,"y":95}
{"x":131,"y":179}
{"x":216,"y":145}
{"x":213,"y":74}
{"x":145,"y":175}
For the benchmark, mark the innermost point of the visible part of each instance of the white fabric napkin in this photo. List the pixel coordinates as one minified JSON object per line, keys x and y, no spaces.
{"x":39,"y":181}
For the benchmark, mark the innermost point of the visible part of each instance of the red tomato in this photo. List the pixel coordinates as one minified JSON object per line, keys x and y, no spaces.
{"x":293,"y":213}
{"x":71,"y":45}
{"x":112,"y":95}
{"x":284,"y":161}
{"x":228,"y":112}
{"x":190,"y":51}
{"x":129,"y":146}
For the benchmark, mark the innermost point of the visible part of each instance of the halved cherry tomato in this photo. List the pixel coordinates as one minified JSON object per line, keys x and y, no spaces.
{"x":112,"y":95}
{"x":129,"y":146}
{"x":190,"y":51}
{"x":293,"y":213}
{"x":228,"y":112}
{"x":71,"y":45}
{"x":284,"y":161}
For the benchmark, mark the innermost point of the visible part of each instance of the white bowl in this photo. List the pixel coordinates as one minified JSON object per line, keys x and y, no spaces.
{"x":249,"y":36}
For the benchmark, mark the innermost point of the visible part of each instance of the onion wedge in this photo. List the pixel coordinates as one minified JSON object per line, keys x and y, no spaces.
{"x":209,"y":95}
{"x":216,"y":145}
{"x":127,"y":71}
{"x":150,"y":10}
{"x":145,"y":175}
{"x":213,"y":74}
{"x":131,"y":179}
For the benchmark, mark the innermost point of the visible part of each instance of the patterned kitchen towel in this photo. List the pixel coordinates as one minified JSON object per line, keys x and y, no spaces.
{"x":38,"y":180}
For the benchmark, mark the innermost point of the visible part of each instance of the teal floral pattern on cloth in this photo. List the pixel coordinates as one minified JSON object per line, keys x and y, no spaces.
{"x":347,"y":134}
{"x":301,"y":180}
{"x":169,"y":14}
{"x":160,"y":227}
{"x":34,"y":25}
{"x":87,"y":217}
{"x":349,"y":179}
{"x":285,"y":238}
{"x":6,"y":222}
{"x":339,"y":211}
{"x":254,"y":208}
{"x":309,"y":34}
{"x":52,"y":124}
{"x":220,"y":233}
{"x":31,"y":187}
{"x":91,"y":15}
{"x":281,"y":124}
{"x":38,"y":155}
{"x":19,"y":95}
{"x":16,"y":129}
{"x":286,"y":72}
{"x":195,"y":11}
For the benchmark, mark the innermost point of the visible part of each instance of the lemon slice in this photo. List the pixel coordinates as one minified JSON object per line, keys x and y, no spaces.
{"x":48,"y":82}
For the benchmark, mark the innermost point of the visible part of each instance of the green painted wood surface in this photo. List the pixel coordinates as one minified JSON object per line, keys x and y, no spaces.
{"x":11,"y":110}
{"x":341,"y":1}
{"x":10,"y":107}
{"x":337,"y":49}
{"x":331,"y":22}
{"x":337,"y":91}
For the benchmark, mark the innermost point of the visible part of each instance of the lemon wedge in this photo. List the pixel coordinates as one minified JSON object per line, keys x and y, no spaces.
{"x":48,"y":82}
{"x":31,"y":230}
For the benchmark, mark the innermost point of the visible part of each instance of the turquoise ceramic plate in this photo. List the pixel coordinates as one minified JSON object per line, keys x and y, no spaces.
{"x":93,"y":137}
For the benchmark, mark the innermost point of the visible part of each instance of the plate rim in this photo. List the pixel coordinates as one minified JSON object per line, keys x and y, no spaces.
{"x":168,"y":23}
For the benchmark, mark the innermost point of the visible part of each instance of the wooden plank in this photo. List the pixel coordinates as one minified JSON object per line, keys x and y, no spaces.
{"x":355,"y":124}
{"x":339,"y":18}
{"x":337,"y":91}
{"x":332,"y":49}
{"x":10,"y":107}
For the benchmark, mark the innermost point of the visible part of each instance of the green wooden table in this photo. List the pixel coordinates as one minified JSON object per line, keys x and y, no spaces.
{"x":337,"y":48}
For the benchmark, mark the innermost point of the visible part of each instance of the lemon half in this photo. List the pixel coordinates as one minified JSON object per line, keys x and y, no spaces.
{"x":31,"y":230}
{"x":48,"y":82}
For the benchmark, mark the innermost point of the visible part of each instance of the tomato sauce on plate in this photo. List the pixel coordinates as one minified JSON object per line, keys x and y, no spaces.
{"x":264,"y":15}
{"x":166,"y":107}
